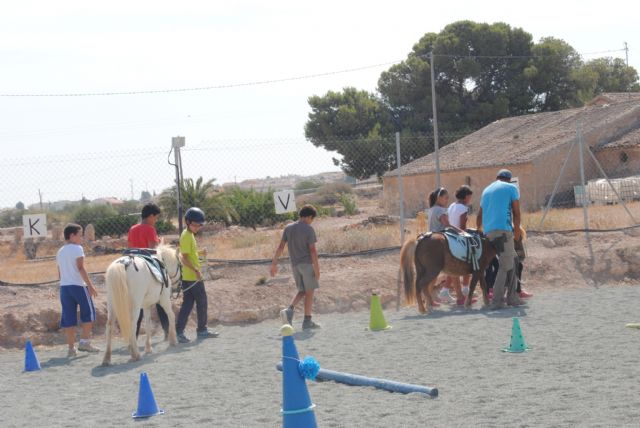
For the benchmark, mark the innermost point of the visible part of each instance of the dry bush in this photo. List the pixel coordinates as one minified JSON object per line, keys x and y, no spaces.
{"x":358,"y":239}
{"x":369,"y":192}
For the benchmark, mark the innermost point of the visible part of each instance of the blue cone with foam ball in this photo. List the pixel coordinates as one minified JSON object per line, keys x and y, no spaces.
{"x":297,"y":409}
{"x":146,"y":401}
{"x":31,"y":363}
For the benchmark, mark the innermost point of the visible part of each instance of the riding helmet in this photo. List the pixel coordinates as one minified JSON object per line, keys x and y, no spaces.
{"x":195,"y":215}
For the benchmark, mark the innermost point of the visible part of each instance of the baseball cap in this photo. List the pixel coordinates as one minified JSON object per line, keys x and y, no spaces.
{"x":504,"y":173}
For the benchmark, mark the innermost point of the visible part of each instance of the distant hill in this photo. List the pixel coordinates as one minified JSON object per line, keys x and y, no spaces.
{"x":289,"y":181}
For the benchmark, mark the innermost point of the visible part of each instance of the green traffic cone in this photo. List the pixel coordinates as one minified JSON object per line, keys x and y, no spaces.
{"x":517,"y":341}
{"x":376,"y":319}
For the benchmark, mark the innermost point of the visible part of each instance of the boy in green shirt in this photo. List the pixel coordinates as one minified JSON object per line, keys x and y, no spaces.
{"x":193,"y":290}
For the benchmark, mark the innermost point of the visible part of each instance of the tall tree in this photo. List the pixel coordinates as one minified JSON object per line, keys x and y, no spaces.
{"x":351,"y":123}
{"x":483,"y":72}
{"x":607,"y":75}
{"x":553,"y":74}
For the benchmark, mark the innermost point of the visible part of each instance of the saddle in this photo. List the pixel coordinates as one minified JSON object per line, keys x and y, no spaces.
{"x":156,"y":266}
{"x":465,"y":246}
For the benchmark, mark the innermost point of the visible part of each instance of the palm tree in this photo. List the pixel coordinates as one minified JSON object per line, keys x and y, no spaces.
{"x":202,"y":194}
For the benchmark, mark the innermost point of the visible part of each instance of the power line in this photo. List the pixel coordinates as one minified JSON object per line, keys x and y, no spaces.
{"x":202,"y":88}
{"x":281,"y":80}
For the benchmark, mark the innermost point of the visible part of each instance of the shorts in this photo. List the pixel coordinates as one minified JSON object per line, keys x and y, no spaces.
{"x":72,"y":296}
{"x":305,"y":277}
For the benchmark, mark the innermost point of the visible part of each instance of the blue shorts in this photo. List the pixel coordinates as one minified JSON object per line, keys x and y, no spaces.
{"x":72,"y":296}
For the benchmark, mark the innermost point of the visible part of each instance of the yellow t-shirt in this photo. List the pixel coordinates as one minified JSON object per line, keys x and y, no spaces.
{"x":189,"y":247}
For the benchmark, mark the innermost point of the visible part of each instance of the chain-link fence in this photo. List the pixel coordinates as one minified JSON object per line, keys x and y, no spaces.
{"x":354,"y":183}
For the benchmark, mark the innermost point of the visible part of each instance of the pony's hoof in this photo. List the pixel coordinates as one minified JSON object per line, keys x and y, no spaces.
{"x":135,"y":358}
{"x":148,"y":351}
{"x":106,"y":364}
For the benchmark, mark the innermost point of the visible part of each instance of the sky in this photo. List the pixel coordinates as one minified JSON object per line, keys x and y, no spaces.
{"x":95,"y":146}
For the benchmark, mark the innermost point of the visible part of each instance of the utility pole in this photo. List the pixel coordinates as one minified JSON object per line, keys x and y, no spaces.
{"x":626,"y":52}
{"x":40,"y":197}
{"x":131,"y":181}
{"x":176,"y":143}
{"x":436,"y":151}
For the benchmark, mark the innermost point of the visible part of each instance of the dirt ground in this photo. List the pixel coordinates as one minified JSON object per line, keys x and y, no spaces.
{"x":581,"y":371}
{"x":236,"y":295}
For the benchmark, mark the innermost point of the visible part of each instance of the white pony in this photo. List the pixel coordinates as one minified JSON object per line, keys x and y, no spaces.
{"x":130,"y":288}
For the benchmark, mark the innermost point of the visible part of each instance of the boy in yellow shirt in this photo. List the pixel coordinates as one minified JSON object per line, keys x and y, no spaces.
{"x":193,"y":290}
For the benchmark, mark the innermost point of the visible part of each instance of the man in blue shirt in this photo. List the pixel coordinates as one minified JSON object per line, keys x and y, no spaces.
{"x":499,"y":219}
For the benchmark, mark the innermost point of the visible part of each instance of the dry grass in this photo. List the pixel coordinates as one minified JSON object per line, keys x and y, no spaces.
{"x":239,"y":243}
{"x":17,"y":270}
{"x":358,"y":239}
{"x":600,"y":217}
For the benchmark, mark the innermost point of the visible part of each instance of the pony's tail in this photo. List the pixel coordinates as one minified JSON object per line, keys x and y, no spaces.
{"x":118,"y":294}
{"x":407,"y":257}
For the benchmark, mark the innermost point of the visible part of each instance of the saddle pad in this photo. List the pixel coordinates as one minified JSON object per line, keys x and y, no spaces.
{"x":155,"y":266}
{"x":466,"y":247}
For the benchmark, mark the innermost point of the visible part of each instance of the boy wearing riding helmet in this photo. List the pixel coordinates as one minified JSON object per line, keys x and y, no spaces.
{"x":193,"y":290}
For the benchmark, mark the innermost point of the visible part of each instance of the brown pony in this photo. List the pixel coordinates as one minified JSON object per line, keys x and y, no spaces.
{"x":431,"y":256}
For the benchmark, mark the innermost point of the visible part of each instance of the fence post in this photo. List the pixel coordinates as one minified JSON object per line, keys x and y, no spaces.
{"x":401,"y":189}
{"x":436,"y":151}
{"x":585,"y":203}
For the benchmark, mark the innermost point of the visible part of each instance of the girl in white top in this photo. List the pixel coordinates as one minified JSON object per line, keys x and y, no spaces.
{"x":458,"y":210}
{"x":458,"y":218}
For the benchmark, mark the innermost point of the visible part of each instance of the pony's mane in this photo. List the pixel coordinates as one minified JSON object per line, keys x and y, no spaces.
{"x":166,"y":250}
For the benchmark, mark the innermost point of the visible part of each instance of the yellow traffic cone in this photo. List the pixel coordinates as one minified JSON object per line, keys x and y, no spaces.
{"x":376,"y":320}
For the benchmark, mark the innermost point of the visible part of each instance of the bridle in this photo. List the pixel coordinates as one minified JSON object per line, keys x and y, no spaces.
{"x":175,"y":279}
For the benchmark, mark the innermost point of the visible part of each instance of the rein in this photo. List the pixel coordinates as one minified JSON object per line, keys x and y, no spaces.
{"x":175,"y":281}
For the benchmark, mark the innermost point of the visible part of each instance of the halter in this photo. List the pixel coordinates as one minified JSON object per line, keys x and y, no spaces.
{"x":177,"y":276}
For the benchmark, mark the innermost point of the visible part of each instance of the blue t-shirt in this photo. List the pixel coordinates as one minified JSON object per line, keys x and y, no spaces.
{"x":496,"y":206}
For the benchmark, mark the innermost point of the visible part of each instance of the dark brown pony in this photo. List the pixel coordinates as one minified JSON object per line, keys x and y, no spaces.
{"x":431,"y":256}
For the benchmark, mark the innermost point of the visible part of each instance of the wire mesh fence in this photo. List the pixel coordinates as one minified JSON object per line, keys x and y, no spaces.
{"x":353,"y":182}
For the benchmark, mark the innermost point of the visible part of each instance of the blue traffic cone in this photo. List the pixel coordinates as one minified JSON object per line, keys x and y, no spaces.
{"x":297,"y":409}
{"x":31,"y":363}
{"x":146,"y":402}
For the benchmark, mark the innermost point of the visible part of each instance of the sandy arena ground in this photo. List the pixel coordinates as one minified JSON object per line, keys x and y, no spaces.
{"x":582,"y":370}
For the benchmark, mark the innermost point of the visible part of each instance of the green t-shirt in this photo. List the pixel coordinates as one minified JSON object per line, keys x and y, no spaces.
{"x":189,"y":247}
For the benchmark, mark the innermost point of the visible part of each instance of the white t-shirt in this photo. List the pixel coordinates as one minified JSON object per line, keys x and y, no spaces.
{"x":66,"y":258}
{"x":455,"y":211}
